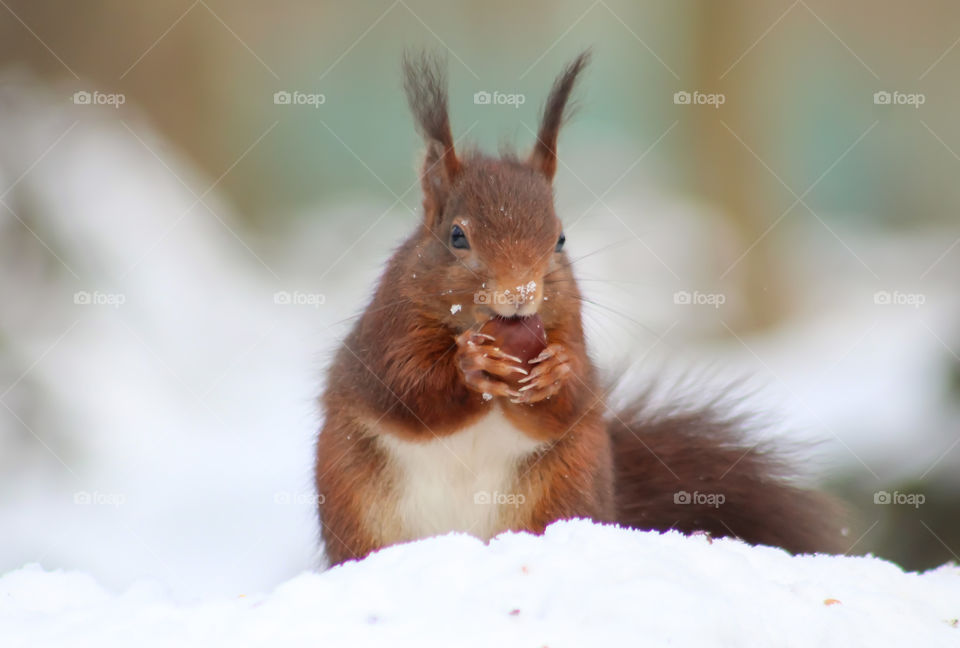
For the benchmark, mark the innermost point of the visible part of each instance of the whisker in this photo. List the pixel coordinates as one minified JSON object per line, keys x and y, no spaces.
{"x":442,"y":293}
{"x":614,"y":311}
{"x":596,"y":280}
{"x":369,"y":310}
{"x":589,"y":254}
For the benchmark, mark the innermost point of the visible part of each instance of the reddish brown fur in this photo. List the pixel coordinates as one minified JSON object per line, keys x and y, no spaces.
{"x":400,"y":372}
{"x":659,"y":454}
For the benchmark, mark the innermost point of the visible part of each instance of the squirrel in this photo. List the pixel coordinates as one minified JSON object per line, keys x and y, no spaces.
{"x":431,"y":426}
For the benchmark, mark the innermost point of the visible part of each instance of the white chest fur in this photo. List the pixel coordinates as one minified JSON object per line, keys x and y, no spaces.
{"x":460,"y":482}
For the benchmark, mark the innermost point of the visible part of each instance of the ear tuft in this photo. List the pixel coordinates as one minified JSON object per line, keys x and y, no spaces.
{"x":555,"y":112}
{"x":425,"y":83}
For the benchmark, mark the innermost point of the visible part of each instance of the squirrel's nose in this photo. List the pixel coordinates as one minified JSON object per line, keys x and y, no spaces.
{"x":515,"y":298}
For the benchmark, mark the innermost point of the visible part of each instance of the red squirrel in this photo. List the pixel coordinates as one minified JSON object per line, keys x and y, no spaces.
{"x":432,"y":426}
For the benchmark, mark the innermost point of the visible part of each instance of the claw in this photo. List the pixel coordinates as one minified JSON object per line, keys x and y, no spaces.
{"x":537,"y":371}
{"x":544,"y":355}
{"x":505,"y":356}
{"x":503,"y":366}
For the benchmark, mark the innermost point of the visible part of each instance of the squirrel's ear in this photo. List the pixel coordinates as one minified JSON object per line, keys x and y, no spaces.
{"x":424,"y":80}
{"x":555,"y":112}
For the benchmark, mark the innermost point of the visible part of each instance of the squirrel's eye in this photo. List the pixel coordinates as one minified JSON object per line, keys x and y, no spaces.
{"x":458,"y":239}
{"x":560,"y":242}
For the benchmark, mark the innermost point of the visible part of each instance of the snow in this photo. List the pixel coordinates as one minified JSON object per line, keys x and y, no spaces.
{"x":197,"y":467}
{"x":580,"y":584}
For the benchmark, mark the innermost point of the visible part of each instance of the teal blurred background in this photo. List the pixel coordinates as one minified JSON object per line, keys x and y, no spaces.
{"x":798,"y":79}
{"x":800,"y":199}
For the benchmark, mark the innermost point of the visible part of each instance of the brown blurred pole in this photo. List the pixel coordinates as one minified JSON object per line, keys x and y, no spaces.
{"x":727,"y":174}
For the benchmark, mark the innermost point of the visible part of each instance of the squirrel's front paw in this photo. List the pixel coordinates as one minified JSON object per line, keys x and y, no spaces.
{"x":551,"y":371}
{"x":482,"y":364}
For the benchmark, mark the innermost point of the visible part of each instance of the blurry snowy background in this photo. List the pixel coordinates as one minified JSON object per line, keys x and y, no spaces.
{"x":180,"y":249}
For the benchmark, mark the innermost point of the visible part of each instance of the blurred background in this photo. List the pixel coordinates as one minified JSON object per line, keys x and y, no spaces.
{"x":196,"y":198}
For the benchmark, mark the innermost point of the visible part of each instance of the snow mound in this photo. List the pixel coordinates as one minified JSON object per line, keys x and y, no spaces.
{"x":580,"y":584}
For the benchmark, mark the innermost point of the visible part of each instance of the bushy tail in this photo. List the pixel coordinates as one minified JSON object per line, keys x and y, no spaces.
{"x":694,"y":470}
